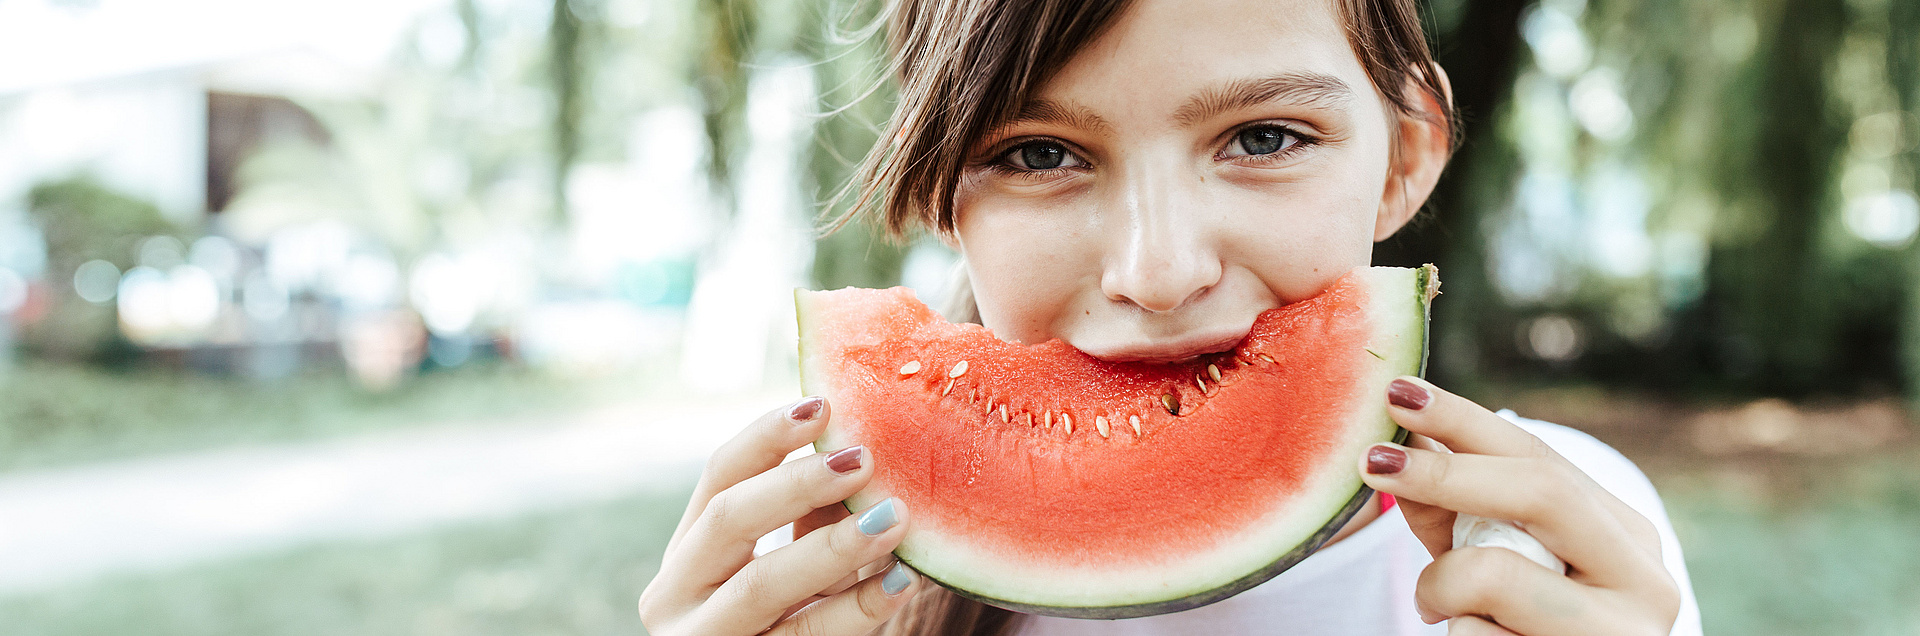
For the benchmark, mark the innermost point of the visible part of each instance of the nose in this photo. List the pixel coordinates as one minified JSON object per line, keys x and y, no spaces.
{"x":1162,"y":256}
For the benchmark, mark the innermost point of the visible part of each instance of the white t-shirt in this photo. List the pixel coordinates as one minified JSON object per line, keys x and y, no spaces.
{"x":1363,"y":585}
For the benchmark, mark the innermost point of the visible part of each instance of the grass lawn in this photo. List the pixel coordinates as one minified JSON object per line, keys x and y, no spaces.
{"x":54,"y":413}
{"x":1803,"y":547}
{"x":578,"y":572}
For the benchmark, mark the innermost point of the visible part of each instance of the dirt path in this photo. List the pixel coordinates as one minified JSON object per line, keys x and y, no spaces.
{"x":67,"y":525}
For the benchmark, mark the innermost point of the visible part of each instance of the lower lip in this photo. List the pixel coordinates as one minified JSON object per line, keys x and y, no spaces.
{"x":1186,"y":354}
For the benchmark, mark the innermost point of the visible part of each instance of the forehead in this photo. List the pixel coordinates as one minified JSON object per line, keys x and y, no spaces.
{"x":1159,"y":53}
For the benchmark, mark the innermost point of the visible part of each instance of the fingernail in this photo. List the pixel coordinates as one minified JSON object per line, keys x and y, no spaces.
{"x":1407,"y":395}
{"x":898,"y":578}
{"x":878,"y":518}
{"x":1385,"y":460}
{"x":806,"y":410}
{"x":845,"y":460}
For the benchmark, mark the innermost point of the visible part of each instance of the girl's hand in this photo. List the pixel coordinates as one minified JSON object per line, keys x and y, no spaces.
{"x":827,"y":581}
{"x":1615,"y":582}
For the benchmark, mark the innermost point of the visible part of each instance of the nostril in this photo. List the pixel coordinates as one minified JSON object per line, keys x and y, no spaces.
{"x":1160,"y":297}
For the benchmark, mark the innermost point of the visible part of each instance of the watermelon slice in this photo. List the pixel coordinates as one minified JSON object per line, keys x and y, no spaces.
{"x":1043,"y":480}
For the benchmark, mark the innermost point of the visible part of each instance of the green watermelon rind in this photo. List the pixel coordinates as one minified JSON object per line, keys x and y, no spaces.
{"x":1411,"y":359}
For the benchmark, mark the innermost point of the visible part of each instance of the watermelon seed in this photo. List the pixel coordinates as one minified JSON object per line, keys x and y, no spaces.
{"x":1203,"y":384}
{"x":1263,"y":356}
{"x":1213,"y":372}
{"x":1003,"y":415}
{"x":949,"y":389}
{"x":1170,"y":403}
{"x":1029,"y":419}
{"x":1066,"y":423}
{"x":959,"y":369}
{"x":1100,"y":424}
{"x":1049,"y":419}
{"x":1376,"y":354}
{"x":910,"y":368}
{"x":1135,"y":421}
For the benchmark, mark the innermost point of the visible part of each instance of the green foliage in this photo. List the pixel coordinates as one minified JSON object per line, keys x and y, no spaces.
{"x":727,"y":38}
{"x":575,"y":572}
{"x":849,"y":66}
{"x":84,"y":220}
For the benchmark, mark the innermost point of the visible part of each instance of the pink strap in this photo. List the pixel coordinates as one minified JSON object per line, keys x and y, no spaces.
{"x":1387,"y":502}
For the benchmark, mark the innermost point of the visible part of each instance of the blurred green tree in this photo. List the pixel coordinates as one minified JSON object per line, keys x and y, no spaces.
{"x":726,"y":40}
{"x":84,"y":220}
{"x":856,"y":93}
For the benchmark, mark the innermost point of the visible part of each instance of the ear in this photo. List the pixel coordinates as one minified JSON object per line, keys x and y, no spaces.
{"x":1424,"y":146}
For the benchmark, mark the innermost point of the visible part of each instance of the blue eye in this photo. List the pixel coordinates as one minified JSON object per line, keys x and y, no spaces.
{"x":1042,"y":156}
{"x":1263,"y":140}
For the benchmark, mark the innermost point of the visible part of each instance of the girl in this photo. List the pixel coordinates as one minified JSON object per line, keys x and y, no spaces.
{"x":1141,"y":179}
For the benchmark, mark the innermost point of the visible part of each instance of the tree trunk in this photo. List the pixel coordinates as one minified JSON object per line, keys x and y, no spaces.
{"x":1482,"y":53}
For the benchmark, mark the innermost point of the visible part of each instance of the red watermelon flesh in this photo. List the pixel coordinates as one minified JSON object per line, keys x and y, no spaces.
{"x":1045,"y":480}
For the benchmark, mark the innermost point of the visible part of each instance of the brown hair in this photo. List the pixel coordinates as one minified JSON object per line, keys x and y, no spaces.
{"x":967,"y":66}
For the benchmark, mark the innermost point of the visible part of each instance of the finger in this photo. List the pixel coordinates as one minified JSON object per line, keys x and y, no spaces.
{"x":820,"y":518}
{"x":1505,"y":587}
{"x":1462,"y":425}
{"x":1432,"y":524}
{"x":1475,"y":626}
{"x":1547,"y":497}
{"x":858,"y":610}
{"x":1457,"y":422}
{"x":873,"y":567}
{"x":754,"y":598}
{"x":721,"y":539}
{"x":758,"y":448}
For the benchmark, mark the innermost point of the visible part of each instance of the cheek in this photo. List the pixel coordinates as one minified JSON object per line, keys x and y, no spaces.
{"x":1026,"y":265}
{"x":1299,"y":235}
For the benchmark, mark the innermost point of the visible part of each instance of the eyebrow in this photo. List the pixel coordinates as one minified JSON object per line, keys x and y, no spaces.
{"x":1301,"y":89}
{"x":1041,"y":111}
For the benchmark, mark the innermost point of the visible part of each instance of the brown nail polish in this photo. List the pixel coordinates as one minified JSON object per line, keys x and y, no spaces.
{"x":806,"y":410}
{"x":1407,"y":395}
{"x":1385,"y":460}
{"x":845,"y":460}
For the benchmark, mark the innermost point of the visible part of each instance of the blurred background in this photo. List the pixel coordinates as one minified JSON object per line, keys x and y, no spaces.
{"x":419,"y":316}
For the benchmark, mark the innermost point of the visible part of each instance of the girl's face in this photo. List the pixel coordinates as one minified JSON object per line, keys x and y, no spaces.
{"x":1199,"y":163}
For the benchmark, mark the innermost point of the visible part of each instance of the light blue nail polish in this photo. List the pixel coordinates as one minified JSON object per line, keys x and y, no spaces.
{"x":877,"y":519}
{"x":897,"y":579}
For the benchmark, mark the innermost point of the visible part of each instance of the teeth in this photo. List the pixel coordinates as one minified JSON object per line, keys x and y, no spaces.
{"x":910,"y":368}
